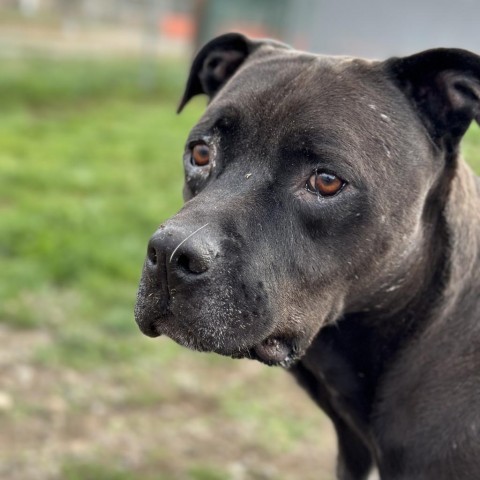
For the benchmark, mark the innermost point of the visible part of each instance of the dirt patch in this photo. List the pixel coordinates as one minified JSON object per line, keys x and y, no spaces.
{"x":234,"y":419}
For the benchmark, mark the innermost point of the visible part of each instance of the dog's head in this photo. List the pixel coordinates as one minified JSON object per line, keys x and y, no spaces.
{"x":310,"y":183}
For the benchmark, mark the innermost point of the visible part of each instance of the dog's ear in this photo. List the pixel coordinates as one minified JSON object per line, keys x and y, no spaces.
{"x":217,"y":62}
{"x":214,"y":64}
{"x":444,"y":87}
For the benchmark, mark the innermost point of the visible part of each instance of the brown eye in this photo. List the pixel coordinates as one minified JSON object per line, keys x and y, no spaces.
{"x":324,"y":184}
{"x":200,"y":155}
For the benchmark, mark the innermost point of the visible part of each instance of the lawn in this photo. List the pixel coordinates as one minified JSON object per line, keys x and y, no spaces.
{"x":90,"y":164}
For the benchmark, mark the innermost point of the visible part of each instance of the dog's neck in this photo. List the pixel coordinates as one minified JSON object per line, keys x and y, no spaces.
{"x":445,"y":269}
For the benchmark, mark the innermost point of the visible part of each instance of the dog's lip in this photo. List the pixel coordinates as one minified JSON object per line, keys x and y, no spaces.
{"x":150,"y":331}
{"x":148,"y":328}
{"x":274,"y":351}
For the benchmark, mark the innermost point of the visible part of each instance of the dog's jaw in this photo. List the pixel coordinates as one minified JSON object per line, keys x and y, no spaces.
{"x":275,"y":351}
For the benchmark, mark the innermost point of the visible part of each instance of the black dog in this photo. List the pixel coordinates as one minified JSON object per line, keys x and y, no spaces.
{"x":332,"y":228}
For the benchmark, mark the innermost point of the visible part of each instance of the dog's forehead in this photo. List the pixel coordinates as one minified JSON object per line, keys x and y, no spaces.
{"x":292,"y":78}
{"x":284,"y":96}
{"x":298,"y":109}
{"x":286,"y":91}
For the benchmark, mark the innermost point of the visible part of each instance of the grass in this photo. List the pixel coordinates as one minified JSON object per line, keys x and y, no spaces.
{"x":48,"y":82}
{"x":73,"y":470}
{"x":89,"y":165}
{"x":88,"y":168}
{"x":82,"y":190}
{"x":471,"y":147}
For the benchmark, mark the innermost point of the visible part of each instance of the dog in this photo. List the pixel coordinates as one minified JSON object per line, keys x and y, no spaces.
{"x":332,"y":228}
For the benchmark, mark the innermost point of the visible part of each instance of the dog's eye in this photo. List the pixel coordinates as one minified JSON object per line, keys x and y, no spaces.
{"x":200,"y":155}
{"x":324,"y":184}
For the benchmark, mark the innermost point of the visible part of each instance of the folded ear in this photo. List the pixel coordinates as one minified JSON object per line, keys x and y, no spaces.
{"x":217,"y":62}
{"x":444,"y":87}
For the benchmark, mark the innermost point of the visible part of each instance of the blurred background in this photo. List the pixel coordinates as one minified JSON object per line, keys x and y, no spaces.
{"x":90,"y":164}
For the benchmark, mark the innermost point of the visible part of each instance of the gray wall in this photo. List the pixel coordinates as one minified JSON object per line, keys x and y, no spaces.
{"x":376,"y":28}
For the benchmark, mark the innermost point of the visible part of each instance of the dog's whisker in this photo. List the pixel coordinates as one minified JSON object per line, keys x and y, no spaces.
{"x":184,"y":240}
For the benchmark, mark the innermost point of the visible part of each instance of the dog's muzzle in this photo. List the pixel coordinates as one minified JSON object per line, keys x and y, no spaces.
{"x":177,"y":258}
{"x":194,"y":291}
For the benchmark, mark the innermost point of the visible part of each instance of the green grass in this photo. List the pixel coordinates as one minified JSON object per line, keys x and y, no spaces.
{"x":43,"y":82}
{"x":471,"y":147}
{"x":85,"y":180}
{"x":74,"y":470}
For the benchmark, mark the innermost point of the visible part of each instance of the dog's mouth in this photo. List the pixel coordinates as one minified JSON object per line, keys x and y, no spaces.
{"x":272,"y":351}
{"x":158,"y":313}
{"x":275,"y":351}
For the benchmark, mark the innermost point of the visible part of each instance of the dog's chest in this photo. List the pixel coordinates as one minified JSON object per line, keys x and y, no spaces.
{"x":342,"y":387}
{"x":338,"y":372}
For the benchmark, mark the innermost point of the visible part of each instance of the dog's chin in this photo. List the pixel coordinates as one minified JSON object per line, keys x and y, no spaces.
{"x":273,"y":350}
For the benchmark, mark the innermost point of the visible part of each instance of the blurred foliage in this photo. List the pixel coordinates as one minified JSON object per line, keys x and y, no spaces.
{"x":40,"y":81}
{"x":471,"y":147}
{"x":85,"y":180}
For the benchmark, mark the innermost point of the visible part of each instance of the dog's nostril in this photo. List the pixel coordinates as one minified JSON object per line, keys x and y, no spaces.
{"x":152,"y":255}
{"x":183,"y":262}
{"x":195,"y":264}
{"x":178,"y":255}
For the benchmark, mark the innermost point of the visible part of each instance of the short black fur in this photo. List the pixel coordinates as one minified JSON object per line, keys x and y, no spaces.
{"x":370,"y":298}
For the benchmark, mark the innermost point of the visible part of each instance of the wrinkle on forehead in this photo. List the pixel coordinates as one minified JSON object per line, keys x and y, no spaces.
{"x":306,"y":101}
{"x":285,"y":90}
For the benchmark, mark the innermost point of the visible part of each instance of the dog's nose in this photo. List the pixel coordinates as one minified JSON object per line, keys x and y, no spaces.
{"x":182,"y":251}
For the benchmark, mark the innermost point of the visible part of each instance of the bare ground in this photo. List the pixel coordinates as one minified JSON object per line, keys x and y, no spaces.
{"x":173,"y":422}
